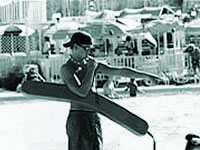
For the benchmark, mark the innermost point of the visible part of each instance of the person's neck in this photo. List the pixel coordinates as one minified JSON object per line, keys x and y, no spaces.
{"x":80,"y":61}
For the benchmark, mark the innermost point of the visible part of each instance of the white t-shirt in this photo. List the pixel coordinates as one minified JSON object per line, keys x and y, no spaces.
{"x":46,"y":47}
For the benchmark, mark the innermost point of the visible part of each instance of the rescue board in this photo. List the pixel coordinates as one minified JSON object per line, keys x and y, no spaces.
{"x":95,"y":101}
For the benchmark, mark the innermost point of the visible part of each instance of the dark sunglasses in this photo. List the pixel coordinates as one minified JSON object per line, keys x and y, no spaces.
{"x":85,"y":47}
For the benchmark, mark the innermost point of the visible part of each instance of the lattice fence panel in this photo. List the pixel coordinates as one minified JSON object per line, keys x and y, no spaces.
{"x":18,"y":43}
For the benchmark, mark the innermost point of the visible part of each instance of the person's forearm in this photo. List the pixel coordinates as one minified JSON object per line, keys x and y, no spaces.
{"x":89,"y":76}
{"x":81,"y":90}
{"x":88,"y":80}
{"x":40,"y":77}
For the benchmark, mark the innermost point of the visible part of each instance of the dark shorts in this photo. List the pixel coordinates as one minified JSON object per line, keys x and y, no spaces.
{"x":84,"y":131}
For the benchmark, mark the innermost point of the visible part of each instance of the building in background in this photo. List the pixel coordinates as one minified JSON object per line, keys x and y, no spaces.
{"x":22,"y":11}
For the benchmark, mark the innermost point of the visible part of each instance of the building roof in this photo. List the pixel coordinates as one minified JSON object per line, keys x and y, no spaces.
{"x":101,"y":28}
{"x":162,"y":25}
{"x":108,"y":14}
{"x":193,"y":27}
{"x":146,"y":12}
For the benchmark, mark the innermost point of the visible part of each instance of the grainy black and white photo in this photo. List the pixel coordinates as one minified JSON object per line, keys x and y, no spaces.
{"x":100,"y":74}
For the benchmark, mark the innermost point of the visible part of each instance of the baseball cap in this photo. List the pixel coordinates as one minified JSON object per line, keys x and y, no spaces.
{"x":80,"y":38}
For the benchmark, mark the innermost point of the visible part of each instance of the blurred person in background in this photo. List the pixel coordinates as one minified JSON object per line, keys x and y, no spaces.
{"x":47,"y":46}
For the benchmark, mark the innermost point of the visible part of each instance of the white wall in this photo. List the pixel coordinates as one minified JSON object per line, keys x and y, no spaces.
{"x":23,"y":10}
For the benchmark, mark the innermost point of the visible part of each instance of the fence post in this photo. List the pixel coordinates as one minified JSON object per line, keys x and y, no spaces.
{"x":27,"y":41}
{"x":40,"y":40}
{"x":45,"y":66}
{"x":0,"y":44}
{"x":12,"y":45}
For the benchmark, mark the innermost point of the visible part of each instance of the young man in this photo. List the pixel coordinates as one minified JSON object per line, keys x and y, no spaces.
{"x":83,"y":124}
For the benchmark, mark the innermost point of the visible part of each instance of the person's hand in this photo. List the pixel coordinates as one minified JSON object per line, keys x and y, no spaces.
{"x":91,"y":64}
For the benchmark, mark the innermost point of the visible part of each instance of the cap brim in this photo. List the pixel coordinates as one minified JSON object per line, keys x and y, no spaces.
{"x":68,"y":44}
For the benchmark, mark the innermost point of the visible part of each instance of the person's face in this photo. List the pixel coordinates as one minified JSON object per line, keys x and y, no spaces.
{"x":79,"y":52}
{"x":31,"y":68}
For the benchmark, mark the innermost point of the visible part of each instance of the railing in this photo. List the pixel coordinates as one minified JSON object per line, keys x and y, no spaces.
{"x":154,"y":63}
{"x":127,"y":61}
{"x":5,"y":64}
{"x":55,"y":65}
{"x":173,"y":62}
{"x":51,"y":66}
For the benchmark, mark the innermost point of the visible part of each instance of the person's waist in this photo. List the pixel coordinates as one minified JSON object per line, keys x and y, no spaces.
{"x":76,"y":107}
{"x":83,"y":111}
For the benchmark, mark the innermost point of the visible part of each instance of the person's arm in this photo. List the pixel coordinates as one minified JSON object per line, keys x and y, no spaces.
{"x":40,"y":77}
{"x":125,"y":72}
{"x":70,"y":79}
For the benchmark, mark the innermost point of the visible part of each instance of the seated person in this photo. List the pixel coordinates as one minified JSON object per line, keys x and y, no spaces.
{"x":31,"y":73}
{"x":109,"y":88}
